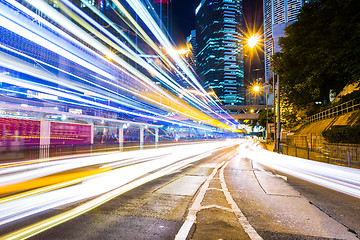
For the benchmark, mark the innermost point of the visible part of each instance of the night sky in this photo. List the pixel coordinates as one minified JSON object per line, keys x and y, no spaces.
{"x":183,"y":19}
{"x":184,"y":16}
{"x":184,"y":22}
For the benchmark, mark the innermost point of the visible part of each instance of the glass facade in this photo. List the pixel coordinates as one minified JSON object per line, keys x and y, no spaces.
{"x":277,"y":15}
{"x":163,"y":9}
{"x":219,"y":55}
{"x":192,"y":45}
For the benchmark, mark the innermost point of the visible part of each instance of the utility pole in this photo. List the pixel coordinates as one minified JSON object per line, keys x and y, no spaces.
{"x":273,"y":72}
{"x":278,"y":114}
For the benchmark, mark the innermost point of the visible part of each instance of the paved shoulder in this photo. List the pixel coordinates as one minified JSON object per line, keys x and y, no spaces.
{"x":214,"y":214}
{"x":274,"y":208}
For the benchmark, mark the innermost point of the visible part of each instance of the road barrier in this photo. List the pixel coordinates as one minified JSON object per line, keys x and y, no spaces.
{"x":344,"y":155}
{"x":338,"y":110}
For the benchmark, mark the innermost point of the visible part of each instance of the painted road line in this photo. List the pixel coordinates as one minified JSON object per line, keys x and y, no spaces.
{"x":241,"y":217}
{"x":195,"y":207}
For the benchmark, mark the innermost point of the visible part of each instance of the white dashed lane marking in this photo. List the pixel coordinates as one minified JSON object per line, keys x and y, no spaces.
{"x":196,"y":206}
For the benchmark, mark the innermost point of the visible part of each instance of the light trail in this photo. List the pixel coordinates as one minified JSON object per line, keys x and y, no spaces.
{"x":173,"y":55}
{"x":50,"y":180}
{"x":338,"y":178}
{"x":149,"y":21}
{"x":16,"y":65}
{"x":66,"y":216}
{"x":22,"y":31}
{"x":143,"y":165}
{"x":89,"y":79}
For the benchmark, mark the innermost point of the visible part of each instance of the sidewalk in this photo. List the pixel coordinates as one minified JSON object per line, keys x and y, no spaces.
{"x":269,"y":145}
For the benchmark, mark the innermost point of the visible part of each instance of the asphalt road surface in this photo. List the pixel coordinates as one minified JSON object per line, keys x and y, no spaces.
{"x":224,"y":195}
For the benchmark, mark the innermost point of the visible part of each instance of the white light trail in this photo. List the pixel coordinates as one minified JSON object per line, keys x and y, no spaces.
{"x":65,"y":38}
{"x":133,"y":165}
{"x":155,"y":29}
{"x":338,"y":178}
{"x":14,"y":27}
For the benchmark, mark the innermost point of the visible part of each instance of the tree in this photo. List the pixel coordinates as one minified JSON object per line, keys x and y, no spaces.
{"x":320,"y":52}
{"x":262,"y":117}
{"x":290,"y":115}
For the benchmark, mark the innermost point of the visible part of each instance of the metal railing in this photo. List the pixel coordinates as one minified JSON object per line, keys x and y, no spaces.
{"x":344,"y":155}
{"x":338,"y":110}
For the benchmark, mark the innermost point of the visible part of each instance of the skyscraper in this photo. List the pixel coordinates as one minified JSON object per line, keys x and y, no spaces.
{"x":192,"y":45}
{"x":163,"y":9}
{"x":278,"y":14}
{"x":219,"y":49}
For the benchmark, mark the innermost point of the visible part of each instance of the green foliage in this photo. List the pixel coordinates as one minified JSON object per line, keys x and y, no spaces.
{"x":355,"y":95}
{"x":290,"y":115}
{"x":350,"y":96}
{"x":262,"y":117}
{"x":343,"y":134}
{"x":320,"y":52}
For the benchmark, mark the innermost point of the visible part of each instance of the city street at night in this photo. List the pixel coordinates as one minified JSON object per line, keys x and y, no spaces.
{"x":179,"y":119}
{"x":222,"y":193}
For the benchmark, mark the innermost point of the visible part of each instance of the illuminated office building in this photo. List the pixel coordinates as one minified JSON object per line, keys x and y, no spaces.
{"x":219,"y":49}
{"x":192,"y":46}
{"x":163,"y":9}
{"x":278,"y":14}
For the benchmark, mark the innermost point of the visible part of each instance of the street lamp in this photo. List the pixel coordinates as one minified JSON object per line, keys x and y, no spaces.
{"x":256,"y":88}
{"x":252,"y":42}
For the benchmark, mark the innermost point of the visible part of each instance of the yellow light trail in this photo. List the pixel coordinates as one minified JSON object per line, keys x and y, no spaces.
{"x":45,"y":181}
{"x":158,"y":171}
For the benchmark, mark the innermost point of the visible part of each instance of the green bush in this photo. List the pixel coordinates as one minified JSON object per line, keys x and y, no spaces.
{"x":343,"y":134}
{"x":314,"y":109}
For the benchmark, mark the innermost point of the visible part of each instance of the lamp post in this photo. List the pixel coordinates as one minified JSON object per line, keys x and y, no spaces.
{"x":256,"y":89}
{"x":277,"y":126}
{"x":266,"y":107}
{"x":277,"y":114}
{"x":252,"y":42}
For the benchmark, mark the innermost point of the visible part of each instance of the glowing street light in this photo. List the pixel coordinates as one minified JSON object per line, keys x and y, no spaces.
{"x":253,"y":41}
{"x":256,"y":88}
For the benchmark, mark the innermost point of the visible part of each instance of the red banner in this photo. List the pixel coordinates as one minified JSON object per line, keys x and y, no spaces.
{"x":19,"y":132}
{"x":162,"y":1}
{"x":68,"y":133}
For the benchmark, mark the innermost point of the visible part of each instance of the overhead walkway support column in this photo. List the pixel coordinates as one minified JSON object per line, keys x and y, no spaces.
{"x":142,"y":128}
{"x":156,"y":137}
{"x":44,"y":149}
{"x":121,"y":138}
{"x":92,"y":136}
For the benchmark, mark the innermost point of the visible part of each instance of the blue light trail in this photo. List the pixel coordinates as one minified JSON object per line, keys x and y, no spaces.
{"x":55,"y":49}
